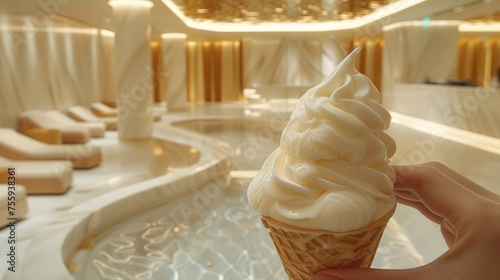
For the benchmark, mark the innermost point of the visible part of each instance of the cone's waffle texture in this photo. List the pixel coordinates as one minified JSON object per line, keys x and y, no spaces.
{"x":304,"y":252}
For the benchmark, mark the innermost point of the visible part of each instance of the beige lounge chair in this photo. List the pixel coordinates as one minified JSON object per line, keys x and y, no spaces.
{"x":102,"y":110}
{"x":39,"y":177}
{"x":82,"y":114}
{"x":96,"y":130}
{"x":109,"y":102}
{"x":35,"y":119}
{"x":21,"y":207}
{"x":56,"y":120}
{"x":16,"y":146}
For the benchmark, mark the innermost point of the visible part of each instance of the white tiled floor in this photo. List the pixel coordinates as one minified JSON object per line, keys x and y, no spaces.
{"x":252,"y":131}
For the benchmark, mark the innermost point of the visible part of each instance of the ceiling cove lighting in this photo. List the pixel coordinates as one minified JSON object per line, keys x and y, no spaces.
{"x":423,"y":24}
{"x":107,"y":33}
{"x":131,"y":3}
{"x":480,"y":27}
{"x":294,"y":26}
{"x":464,"y":27}
{"x":173,"y":36}
{"x":55,"y":29}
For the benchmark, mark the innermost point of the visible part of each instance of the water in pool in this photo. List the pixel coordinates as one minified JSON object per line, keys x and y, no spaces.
{"x":212,"y":233}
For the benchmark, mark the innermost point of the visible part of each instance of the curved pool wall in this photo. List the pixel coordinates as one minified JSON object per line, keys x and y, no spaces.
{"x":209,"y":233}
{"x":49,"y":250}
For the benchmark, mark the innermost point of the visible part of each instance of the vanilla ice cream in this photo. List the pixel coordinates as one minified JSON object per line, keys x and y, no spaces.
{"x":331,"y":170}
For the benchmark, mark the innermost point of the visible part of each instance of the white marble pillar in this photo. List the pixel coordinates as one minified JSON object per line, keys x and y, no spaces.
{"x":174,"y":70}
{"x":134,"y":79}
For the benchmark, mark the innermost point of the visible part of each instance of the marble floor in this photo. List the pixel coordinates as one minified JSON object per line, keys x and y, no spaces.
{"x":174,"y":207}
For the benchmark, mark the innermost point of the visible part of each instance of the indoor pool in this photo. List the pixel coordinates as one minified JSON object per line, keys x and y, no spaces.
{"x":210,"y":232}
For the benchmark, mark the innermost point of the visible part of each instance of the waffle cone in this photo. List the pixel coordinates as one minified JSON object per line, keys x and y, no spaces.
{"x":303,"y":252}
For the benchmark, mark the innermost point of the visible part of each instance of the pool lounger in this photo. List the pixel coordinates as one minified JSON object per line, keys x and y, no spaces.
{"x":39,"y":177}
{"x":71,"y":130}
{"x":16,"y":146}
{"x":102,"y":110}
{"x":82,"y":114}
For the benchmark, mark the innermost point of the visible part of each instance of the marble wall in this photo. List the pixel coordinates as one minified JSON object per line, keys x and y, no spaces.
{"x":468,"y":108}
{"x":288,"y":61}
{"x":415,"y":53}
{"x":286,"y":67}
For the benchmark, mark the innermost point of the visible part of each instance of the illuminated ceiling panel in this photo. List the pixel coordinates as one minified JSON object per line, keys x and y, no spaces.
{"x":259,"y":11}
{"x":284,"y":15}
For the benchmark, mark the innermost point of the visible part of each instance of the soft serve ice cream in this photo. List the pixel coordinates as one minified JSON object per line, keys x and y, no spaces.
{"x":331,"y":170}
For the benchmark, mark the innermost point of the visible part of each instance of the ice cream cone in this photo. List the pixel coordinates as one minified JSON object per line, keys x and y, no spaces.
{"x":303,"y":252}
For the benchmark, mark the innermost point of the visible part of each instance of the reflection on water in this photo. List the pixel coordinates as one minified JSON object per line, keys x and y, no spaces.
{"x":129,"y":162}
{"x":169,"y":156}
{"x":210,"y":234}
{"x":251,"y":139}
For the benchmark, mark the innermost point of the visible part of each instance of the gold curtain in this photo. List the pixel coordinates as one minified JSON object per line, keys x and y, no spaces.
{"x":479,"y":59}
{"x":155,"y":59}
{"x":214,"y":71}
{"x":369,"y":60}
{"x":495,"y":57}
{"x":215,"y":67}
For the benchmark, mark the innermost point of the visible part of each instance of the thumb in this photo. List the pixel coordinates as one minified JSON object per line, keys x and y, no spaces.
{"x":368,"y":273}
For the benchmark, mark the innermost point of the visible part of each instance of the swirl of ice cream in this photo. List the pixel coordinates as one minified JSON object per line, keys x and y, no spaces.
{"x":332,"y":169}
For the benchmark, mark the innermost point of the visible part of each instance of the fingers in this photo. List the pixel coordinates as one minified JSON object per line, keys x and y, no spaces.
{"x":446,"y":229}
{"x":420,"y":207}
{"x":443,"y":196}
{"x":460,"y":179}
{"x":466,"y":182}
{"x":448,"y":235}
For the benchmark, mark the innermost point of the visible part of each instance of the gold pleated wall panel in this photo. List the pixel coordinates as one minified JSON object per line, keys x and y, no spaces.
{"x":155,"y":59}
{"x":479,"y":59}
{"x":214,"y":71}
{"x":215,"y":67}
{"x":369,"y":60}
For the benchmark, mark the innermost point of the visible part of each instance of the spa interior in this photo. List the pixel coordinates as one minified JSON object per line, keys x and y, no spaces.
{"x":130,"y":129}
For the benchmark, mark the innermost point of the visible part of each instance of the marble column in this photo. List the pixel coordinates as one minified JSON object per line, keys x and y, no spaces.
{"x":174,"y":71}
{"x":134,"y":79}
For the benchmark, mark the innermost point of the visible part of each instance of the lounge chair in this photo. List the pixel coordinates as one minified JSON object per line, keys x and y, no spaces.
{"x":96,"y":130}
{"x":35,"y":119}
{"x":16,"y":146}
{"x":71,"y":130}
{"x":39,"y":177}
{"x":102,"y":110}
{"x":82,"y":114}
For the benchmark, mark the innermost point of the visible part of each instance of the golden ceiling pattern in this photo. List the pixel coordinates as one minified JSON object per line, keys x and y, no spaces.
{"x":255,"y":11}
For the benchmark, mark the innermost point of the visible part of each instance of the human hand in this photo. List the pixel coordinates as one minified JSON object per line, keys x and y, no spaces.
{"x":469,"y":216}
